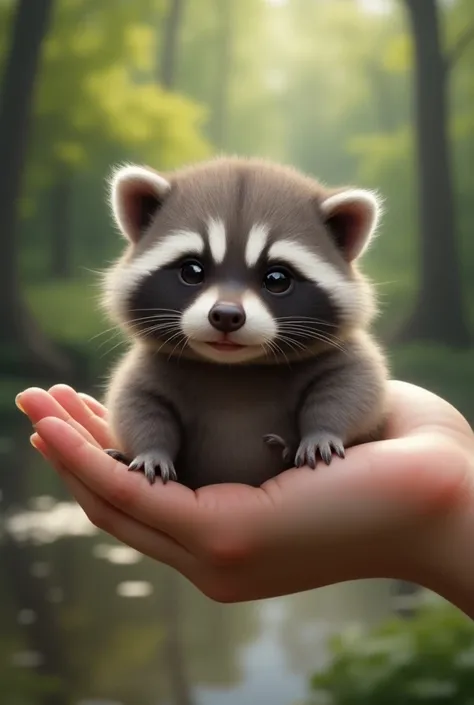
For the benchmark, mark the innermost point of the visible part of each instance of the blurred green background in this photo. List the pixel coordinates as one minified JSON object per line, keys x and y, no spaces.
{"x":376,"y":93}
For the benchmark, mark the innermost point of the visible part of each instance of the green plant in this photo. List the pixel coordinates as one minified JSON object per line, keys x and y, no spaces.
{"x":429,"y":659}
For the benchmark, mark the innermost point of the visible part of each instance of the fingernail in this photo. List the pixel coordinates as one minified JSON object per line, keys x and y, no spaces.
{"x":18,"y":403}
{"x":32,"y":441}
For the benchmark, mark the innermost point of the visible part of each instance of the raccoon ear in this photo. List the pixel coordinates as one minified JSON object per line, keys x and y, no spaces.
{"x":136,"y":194}
{"x":352,"y":217}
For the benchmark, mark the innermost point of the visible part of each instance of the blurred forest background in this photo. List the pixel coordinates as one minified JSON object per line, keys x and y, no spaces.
{"x":377,"y":93}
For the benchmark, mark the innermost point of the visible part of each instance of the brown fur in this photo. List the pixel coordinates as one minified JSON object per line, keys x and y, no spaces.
{"x":207,"y":420}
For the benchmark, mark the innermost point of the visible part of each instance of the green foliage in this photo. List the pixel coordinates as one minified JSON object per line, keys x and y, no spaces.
{"x":449,"y":373}
{"x":69,"y":310}
{"x":97,"y":88}
{"x":428,"y":658}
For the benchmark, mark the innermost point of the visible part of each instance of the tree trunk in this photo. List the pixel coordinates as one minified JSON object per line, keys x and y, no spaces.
{"x":220,"y":106}
{"x":18,"y":327}
{"x":439,"y":313}
{"x":170,"y":43}
{"x":173,"y":655}
{"x":61,"y":235}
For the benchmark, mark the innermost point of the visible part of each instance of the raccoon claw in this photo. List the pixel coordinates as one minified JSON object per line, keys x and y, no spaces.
{"x":154,"y":463}
{"x":324,"y":443}
{"x":272,"y":439}
{"x":117,"y":455}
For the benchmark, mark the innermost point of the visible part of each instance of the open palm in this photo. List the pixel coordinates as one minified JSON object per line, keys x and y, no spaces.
{"x":369,"y":515}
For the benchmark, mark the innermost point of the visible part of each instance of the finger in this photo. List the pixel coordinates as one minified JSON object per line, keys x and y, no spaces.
{"x":39,"y":445}
{"x":142,"y":538}
{"x":81,"y":412}
{"x":171,"y":508}
{"x":37,"y":404}
{"x":94,"y":405}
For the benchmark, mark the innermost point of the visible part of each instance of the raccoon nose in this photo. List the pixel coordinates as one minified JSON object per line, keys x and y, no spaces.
{"x":227,"y":317}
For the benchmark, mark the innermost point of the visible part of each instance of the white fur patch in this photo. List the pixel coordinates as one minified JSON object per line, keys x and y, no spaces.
{"x":370,"y":201}
{"x":123,"y":182}
{"x":259,"y":328}
{"x":195,"y":321}
{"x":217,"y":239}
{"x":343,"y":293}
{"x":256,"y":242}
{"x":122,"y":281}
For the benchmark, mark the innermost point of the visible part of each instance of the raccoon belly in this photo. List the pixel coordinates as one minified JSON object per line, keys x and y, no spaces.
{"x":228,"y":446}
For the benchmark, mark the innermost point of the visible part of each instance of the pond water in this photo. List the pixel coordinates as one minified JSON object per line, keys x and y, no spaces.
{"x":86,"y":621}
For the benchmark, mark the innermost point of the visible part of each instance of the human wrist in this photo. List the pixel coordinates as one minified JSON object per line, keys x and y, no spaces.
{"x":445,"y":558}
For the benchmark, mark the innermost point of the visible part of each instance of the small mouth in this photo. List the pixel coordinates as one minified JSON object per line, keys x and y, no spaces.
{"x":226,"y":346}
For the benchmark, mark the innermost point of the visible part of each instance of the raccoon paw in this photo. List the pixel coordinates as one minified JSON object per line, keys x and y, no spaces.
{"x":117,"y":455}
{"x":323,"y":443}
{"x":153,"y":463}
{"x":272,"y":439}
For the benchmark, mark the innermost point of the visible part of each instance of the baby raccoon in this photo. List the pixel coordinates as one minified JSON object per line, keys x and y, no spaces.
{"x":248,"y":319}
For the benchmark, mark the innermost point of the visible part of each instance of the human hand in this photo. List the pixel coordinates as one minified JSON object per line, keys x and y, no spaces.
{"x":401,"y":508}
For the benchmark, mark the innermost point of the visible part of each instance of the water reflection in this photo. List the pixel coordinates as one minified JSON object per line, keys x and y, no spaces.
{"x":48,"y":521}
{"x":122,"y":555}
{"x":26,"y":617}
{"x":92,"y":622}
{"x":136,"y":588}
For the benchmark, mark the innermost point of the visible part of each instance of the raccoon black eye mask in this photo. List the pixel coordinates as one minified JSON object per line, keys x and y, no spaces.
{"x":248,"y":322}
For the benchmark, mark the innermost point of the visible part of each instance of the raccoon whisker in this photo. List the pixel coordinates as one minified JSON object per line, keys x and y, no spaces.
{"x":315,"y":335}
{"x":166,"y":310}
{"x":154,"y":323}
{"x":155,"y":317}
{"x":269,"y":348}
{"x":150,"y":325}
{"x":394,"y":281}
{"x":165,"y":329}
{"x":145,"y":331}
{"x":115,"y":328}
{"x":114,"y":347}
{"x":300,"y":322}
{"x":117,"y":331}
{"x":334,"y":343}
{"x":278,"y":349}
{"x":181,"y":334}
{"x":324,"y":337}
{"x":108,"y":340}
{"x":138,"y":332}
{"x":299,"y":327}
{"x":185,"y":342}
{"x":304,"y":327}
{"x":91,"y":271}
{"x":305,"y":339}
{"x":308,"y":331}
{"x":295,"y":344}
{"x":303,"y":319}
{"x":169,"y":339}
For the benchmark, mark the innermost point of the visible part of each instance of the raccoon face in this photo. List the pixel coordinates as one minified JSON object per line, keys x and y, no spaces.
{"x":237,"y":261}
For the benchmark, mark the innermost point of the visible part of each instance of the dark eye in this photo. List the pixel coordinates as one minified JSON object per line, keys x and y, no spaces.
{"x":192,"y":273}
{"x":277,"y":281}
